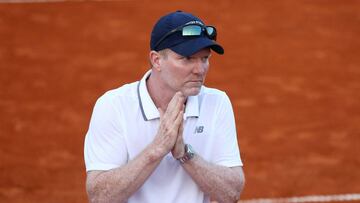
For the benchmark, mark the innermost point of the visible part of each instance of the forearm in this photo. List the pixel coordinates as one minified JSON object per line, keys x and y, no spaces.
{"x":117,"y":185}
{"x":221,"y":183}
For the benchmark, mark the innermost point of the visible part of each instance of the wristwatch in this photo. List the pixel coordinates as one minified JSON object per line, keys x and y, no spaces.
{"x":189,"y":154}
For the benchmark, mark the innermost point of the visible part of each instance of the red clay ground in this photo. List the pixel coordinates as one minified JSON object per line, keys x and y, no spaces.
{"x":291,"y":68}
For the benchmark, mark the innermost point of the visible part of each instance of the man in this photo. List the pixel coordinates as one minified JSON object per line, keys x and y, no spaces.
{"x":166,"y":138}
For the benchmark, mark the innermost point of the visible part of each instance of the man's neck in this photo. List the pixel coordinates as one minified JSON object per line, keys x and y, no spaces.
{"x":160,"y":95}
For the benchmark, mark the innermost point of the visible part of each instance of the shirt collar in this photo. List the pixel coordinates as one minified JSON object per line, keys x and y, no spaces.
{"x":148,"y":108}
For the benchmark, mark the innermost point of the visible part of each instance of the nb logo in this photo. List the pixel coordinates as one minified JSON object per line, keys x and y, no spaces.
{"x":199,"y":129}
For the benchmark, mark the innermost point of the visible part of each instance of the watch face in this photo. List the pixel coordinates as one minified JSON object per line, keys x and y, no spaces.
{"x":189,"y":149}
{"x":189,"y":154}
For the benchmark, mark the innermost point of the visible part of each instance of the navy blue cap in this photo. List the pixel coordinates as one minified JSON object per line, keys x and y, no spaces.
{"x":185,"y":46}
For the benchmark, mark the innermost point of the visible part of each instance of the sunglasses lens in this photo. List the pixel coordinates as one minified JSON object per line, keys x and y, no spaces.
{"x":211,"y":32}
{"x":191,"y":30}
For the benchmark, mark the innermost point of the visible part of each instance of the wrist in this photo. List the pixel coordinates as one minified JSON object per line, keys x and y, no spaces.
{"x":178,"y":151}
{"x":156,"y":152}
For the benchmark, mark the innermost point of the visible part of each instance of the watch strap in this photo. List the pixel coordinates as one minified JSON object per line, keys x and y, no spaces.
{"x":189,"y":154}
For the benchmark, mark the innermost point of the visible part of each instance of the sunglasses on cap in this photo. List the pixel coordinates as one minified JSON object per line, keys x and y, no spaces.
{"x":189,"y":30}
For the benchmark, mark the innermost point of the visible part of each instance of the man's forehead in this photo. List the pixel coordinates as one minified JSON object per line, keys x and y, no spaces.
{"x":204,"y":51}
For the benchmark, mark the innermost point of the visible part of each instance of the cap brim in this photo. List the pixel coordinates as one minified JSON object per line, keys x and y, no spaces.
{"x":190,"y":47}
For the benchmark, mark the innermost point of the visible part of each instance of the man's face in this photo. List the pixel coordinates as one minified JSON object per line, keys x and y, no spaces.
{"x":185,"y":74}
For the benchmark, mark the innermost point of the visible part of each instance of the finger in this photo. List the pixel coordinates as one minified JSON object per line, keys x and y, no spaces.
{"x":175,"y":105}
{"x":181,"y":128}
{"x":181,"y":97}
{"x":177,"y":99}
{"x":179,"y":120}
{"x":173,"y":102}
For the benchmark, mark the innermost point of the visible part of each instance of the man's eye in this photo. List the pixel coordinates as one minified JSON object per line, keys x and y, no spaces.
{"x":185,"y":58}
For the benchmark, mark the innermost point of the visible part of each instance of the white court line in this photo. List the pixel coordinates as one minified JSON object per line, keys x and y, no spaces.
{"x":52,"y":1}
{"x":304,"y":199}
{"x":31,"y":1}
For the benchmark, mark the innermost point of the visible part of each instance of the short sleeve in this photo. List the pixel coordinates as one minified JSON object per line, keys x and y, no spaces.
{"x":104,"y":146}
{"x":227,"y":151}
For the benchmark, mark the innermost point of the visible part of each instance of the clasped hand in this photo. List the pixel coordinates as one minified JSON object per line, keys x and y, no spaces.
{"x":170,"y":134}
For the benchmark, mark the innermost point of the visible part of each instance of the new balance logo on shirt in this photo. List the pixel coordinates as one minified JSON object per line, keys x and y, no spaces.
{"x":199,"y":129}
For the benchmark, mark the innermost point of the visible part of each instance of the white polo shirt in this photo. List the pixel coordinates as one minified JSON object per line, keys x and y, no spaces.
{"x":126,"y":120}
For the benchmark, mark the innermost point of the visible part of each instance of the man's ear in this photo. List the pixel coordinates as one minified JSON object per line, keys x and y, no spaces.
{"x":155,"y":57}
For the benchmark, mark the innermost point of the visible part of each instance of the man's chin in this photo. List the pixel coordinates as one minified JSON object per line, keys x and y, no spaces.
{"x":192,"y":91}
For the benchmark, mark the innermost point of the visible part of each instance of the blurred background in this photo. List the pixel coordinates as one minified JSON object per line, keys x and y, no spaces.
{"x":291,"y":69}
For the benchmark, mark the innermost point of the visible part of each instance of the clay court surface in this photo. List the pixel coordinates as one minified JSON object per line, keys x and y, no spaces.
{"x":291,"y":69}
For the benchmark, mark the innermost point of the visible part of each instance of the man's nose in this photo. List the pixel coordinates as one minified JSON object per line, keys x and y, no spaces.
{"x":199,"y":67}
